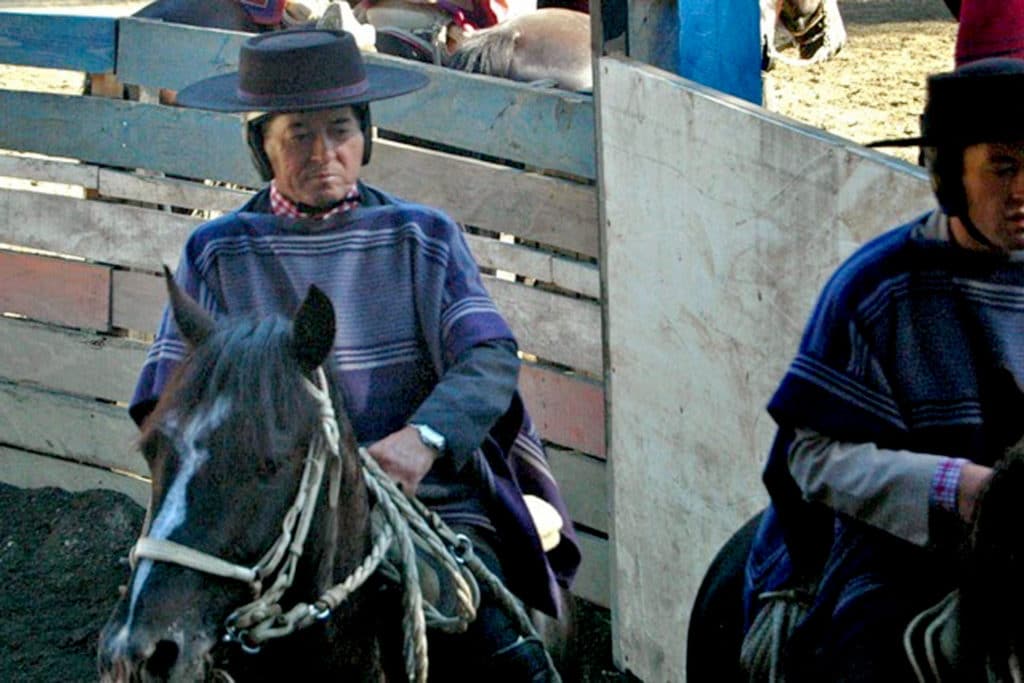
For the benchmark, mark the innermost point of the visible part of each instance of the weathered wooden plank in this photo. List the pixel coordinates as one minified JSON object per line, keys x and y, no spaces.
{"x":554,"y":328}
{"x":58,"y":41}
{"x":31,"y":471}
{"x":593,"y":581}
{"x":541,"y":208}
{"x":543,"y":128}
{"x":56,"y":290}
{"x":568,"y":409}
{"x":551,"y":211}
{"x":67,"y":426}
{"x":127,"y":134}
{"x":59,"y":359}
{"x":538,"y":265}
{"x":159,"y":189}
{"x":49,"y":170}
{"x":100,"y":231}
{"x":137,"y":300}
{"x":583,"y":483}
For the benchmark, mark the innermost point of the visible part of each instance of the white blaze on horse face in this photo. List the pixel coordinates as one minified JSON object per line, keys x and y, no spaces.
{"x":173,"y":508}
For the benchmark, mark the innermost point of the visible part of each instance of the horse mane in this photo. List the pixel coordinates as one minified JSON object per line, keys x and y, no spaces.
{"x":489,"y":51}
{"x":249,"y":363}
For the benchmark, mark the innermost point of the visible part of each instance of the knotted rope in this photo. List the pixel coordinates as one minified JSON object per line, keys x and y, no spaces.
{"x":396,"y":520}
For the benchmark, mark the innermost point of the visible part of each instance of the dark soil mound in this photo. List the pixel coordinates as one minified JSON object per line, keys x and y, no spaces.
{"x":61,"y":561}
{"x":62,"y":558}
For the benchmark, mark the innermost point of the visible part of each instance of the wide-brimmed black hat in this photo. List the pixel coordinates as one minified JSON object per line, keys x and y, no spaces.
{"x":981,"y":101}
{"x":299,"y":70}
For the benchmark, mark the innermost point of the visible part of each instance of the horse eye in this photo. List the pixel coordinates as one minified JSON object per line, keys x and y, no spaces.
{"x":268,"y":467}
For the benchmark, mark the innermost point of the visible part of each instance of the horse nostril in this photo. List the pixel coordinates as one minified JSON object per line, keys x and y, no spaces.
{"x":162,"y":661}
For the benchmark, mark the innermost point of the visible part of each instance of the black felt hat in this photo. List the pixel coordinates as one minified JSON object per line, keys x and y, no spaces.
{"x":981,"y":101}
{"x":299,"y":70}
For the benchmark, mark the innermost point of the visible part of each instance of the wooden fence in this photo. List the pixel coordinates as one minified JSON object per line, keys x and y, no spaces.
{"x":84,"y":188}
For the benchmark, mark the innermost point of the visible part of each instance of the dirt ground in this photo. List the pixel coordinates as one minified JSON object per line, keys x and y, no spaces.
{"x":874,"y":88}
{"x":60,"y":554}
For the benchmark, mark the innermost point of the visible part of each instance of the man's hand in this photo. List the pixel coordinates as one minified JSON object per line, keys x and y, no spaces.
{"x":972,"y":481}
{"x":405,"y":458}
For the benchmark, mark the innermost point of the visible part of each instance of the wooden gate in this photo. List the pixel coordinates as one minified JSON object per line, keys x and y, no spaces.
{"x":86,"y":185}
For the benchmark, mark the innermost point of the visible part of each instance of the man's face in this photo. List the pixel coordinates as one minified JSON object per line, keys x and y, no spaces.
{"x":994,"y":183}
{"x":316,"y":156}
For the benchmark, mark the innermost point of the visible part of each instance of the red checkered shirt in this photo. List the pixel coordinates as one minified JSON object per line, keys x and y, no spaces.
{"x":282,"y":206}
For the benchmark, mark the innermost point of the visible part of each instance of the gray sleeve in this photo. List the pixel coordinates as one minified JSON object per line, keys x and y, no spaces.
{"x":887,"y":489}
{"x":471,"y":396}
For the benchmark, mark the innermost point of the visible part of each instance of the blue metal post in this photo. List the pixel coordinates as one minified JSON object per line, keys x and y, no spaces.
{"x":720,"y":45}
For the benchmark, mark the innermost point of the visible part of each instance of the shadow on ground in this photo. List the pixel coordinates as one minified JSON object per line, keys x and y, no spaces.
{"x":62,"y":560}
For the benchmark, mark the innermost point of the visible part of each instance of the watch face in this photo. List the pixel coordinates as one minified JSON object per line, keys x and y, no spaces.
{"x":430,"y":437}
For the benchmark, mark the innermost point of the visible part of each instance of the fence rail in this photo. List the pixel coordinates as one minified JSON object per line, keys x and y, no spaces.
{"x":86,"y":186}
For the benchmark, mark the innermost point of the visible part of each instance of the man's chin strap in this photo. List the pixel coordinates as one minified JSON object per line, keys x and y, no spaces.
{"x":974,"y":232}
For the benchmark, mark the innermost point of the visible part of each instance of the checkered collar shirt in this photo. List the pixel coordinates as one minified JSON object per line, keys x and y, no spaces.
{"x":282,"y":206}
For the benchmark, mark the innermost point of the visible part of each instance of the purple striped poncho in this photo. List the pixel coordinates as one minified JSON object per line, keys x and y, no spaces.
{"x":409,"y":300}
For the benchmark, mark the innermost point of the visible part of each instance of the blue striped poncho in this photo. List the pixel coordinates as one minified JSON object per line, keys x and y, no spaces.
{"x":409,"y":300}
{"x":915,"y":344}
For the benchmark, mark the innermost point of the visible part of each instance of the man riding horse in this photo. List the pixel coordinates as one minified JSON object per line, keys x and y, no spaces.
{"x":427,"y":365}
{"x":907,"y":386}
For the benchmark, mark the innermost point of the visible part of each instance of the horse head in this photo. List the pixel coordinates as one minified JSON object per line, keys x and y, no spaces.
{"x":232,"y":448}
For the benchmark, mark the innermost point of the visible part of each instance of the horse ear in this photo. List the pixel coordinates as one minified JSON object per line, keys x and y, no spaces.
{"x":314,"y":330}
{"x":194,"y":323}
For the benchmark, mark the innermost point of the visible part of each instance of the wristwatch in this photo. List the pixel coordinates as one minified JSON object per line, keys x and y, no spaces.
{"x":430,"y":437}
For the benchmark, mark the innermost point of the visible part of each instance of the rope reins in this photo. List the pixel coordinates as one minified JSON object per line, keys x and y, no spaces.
{"x":398,"y":522}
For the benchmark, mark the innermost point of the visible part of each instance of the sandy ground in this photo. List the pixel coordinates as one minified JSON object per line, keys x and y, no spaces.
{"x":875,"y":87}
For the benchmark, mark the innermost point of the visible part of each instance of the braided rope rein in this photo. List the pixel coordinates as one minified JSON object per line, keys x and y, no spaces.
{"x":396,"y":520}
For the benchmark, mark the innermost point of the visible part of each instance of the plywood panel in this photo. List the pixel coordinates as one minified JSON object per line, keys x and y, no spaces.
{"x":60,"y":42}
{"x":69,"y":427}
{"x":83,"y":363}
{"x":567,"y":409}
{"x":56,"y":290}
{"x":703,"y":314}
{"x":543,"y":128}
{"x":31,"y":471}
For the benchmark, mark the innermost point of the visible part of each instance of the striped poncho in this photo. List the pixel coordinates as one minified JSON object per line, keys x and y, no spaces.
{"x":915,"y":344}
{"x":408,"y":300}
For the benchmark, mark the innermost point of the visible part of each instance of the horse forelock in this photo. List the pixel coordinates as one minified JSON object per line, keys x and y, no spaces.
{"x":249,"y":364}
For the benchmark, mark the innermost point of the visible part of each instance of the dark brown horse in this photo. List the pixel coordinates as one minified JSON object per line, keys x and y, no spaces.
{"x":266,"y":526}
{"x":237,"y":449}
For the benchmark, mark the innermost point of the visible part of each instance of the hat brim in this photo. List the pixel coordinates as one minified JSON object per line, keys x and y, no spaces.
{"x":221,"y":93}
{"x":902,"y":142}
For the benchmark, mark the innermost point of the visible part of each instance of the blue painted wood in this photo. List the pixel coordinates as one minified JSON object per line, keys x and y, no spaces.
{"x":541,"y":128}
{"x":720,"y":45}
{"x":182,"y":142}
{"x":59,"y":42}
